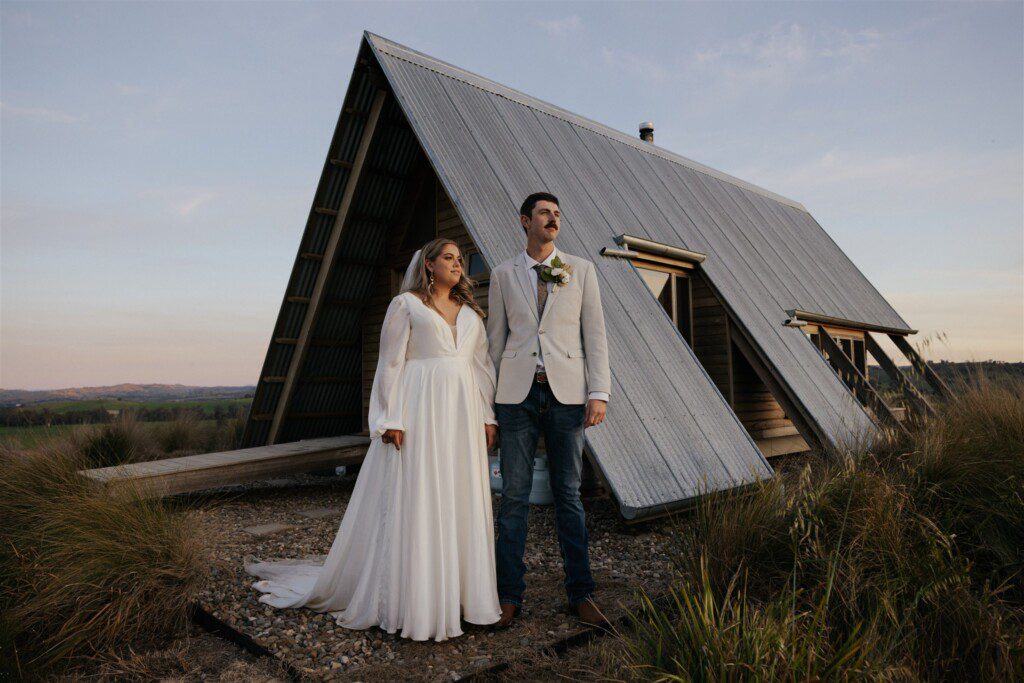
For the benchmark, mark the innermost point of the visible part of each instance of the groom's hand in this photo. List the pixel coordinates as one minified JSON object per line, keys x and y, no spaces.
{"x":492,"y":435}
{"x":596,"y":409}
{"x":394,"y":436}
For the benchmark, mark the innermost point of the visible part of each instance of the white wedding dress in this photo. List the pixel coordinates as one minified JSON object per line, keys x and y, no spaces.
{"x":415,"y":548}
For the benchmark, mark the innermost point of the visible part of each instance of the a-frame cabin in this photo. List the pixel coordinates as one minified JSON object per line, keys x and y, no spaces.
{"x":753,"y":344}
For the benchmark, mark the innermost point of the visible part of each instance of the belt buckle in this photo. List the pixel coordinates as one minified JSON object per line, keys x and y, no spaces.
{"x":541,"y":377}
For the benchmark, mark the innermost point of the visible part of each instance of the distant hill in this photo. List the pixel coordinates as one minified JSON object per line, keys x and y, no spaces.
{"x":999,"y":372}
{"x":134,"y":392}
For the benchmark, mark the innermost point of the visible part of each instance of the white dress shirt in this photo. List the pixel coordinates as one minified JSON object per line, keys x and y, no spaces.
{"x":532,"y":274}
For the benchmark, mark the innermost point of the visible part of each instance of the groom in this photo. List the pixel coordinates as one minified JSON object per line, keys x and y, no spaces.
{"x":547,"y":339}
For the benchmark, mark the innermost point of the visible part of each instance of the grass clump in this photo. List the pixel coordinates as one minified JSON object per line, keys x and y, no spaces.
{"x":122,"y":440}
{"x":903,"y":562}
{"x":85,"y":572}
{"x":182,"y":435}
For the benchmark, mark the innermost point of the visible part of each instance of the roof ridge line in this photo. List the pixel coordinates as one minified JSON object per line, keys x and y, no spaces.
{"x":393,"y":49}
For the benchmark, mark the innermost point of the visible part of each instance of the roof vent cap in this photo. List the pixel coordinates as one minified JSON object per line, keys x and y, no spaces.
{"x":647,"y":132}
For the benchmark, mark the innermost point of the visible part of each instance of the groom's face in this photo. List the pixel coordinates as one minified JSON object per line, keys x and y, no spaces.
{"x":544,"y":223}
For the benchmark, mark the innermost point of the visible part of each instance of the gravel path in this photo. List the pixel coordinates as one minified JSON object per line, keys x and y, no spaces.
{"x":622,"y":558}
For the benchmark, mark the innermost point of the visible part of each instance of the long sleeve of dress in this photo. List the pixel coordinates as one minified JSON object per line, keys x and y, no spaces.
{"x":386,"y":395}
{"x":486,"y":377}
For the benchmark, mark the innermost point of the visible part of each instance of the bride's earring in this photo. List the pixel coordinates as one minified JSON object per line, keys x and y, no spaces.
{"x":430,"y":287}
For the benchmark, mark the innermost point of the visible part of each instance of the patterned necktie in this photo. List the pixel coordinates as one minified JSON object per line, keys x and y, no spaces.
{"x":542,"y":290}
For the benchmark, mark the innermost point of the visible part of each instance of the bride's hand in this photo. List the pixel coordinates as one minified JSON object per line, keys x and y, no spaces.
{"x":394,"y":436}
{"x":492,"y":435}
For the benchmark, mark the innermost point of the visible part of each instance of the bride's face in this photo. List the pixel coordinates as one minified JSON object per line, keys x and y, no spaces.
{"x":447,"y":267}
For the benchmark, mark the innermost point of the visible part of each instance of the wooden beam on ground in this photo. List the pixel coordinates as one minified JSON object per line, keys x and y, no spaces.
{"x":858,"y":382}
{"x":317,"y":296}
{"x":913,"y":397}
{"x":210,"y":470}
{"x":922,"y":367}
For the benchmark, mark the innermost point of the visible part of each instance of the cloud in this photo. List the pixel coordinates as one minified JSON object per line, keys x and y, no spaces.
{"x":787,"y":45}
{"x":187,"y":205}
{"x":180,"y":201}
{"x":560,"y":28}
{"x":39,"y":114}
{"x":781,"y":55}
{"x":773,"y":57}
{"x":635,"y":65}
{"x":127,"y":89}
{"x":981,"y":176}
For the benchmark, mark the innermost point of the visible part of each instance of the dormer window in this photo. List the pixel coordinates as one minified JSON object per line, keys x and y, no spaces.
{"x":666,"y":271}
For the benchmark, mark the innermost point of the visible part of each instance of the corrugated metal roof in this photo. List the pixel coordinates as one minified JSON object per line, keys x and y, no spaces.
{"x":766,"y":254}
{"x":670,"y":434}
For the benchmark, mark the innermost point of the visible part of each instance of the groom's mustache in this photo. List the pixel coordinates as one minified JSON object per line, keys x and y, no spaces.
{"x":552,"y":224}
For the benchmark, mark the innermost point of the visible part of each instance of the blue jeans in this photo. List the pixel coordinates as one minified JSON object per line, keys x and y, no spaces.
{"x":521,"y":425}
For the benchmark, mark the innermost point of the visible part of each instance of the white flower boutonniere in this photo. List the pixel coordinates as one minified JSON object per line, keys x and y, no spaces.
{"x":558,"y":272}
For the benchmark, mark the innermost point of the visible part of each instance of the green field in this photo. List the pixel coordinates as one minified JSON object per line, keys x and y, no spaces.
{"x":32,"y":437}
{"x":207,"y":406}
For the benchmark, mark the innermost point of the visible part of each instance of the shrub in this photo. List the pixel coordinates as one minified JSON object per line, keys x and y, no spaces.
{"x":902,"y":561}
{"x":182,"y":435}
{"x":85,"y":572}
{"x":123,"y":440}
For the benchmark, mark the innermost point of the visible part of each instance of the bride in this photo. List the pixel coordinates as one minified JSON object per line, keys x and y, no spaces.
{"x":416,"y":544}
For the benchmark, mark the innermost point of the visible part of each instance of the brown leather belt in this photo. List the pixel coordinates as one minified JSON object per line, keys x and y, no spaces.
{"x":541,"y":377}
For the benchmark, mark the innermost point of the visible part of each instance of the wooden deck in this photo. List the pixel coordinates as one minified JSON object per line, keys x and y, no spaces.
{"x":210,"y":470}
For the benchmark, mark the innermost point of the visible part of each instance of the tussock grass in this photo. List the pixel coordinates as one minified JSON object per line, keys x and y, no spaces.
{"x":182,"y":434}
{"x":187,"y":434}
{"x":125,"y":439}
{"x":903,"y":561}
{"x":85,"y":572}
{"x":122,"y":440}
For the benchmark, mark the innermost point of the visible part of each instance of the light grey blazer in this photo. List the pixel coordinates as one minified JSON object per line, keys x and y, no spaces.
{"x":570,"y":333}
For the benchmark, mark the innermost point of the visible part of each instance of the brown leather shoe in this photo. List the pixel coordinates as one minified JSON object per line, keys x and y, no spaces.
{"x":509,"y":612}
{"x":589,"y":613}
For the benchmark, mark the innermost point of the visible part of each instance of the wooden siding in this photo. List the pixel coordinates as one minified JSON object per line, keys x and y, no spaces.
{"x":711,"y":340}
{"x":752,"y":401}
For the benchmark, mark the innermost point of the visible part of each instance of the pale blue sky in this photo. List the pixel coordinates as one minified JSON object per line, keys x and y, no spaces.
{"x":157,"y":161}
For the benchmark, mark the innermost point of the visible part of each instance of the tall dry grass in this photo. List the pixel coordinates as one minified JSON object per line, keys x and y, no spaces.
{"x":85,"y":572}
{"x":122,"y":440}
{"x":126,"y":439}
{"x":903,"y":562}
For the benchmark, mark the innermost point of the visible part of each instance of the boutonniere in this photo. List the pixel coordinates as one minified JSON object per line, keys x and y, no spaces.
{"x":558,"y":272}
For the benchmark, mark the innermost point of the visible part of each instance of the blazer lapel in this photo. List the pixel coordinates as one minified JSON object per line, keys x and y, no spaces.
{"x":525,"y":284}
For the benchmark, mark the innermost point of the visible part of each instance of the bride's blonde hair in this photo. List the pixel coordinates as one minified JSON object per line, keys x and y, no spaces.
{"x":461,"y":293}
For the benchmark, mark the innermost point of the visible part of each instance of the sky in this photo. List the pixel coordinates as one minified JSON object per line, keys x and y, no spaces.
{"x":158,"y":160}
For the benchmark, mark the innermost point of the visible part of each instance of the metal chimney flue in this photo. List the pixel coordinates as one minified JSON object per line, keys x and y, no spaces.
{"x":647,"y":132}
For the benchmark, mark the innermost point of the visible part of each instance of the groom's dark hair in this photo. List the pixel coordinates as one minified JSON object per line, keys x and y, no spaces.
{"x":527,"y":208}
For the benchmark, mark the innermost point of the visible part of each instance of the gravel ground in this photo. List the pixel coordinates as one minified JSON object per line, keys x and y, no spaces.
{"x":194,"y":656}
{"x":623,"y":559}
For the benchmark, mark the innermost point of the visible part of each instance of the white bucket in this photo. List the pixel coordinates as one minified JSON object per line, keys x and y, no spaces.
{"x":540,"y":494}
